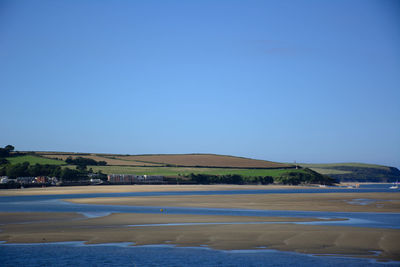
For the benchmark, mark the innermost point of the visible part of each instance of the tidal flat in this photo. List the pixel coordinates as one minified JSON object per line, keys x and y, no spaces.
{"x":218,"y":231}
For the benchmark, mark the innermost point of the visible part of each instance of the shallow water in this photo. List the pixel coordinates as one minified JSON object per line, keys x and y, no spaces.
{"x":368,"y":188}
{"x":53,"y":203}
{"x":360,"y":219}
{"x":77,"y":254}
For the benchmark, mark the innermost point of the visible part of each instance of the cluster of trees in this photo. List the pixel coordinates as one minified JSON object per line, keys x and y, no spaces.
{"x":80,"y":161}
{"x":25,"y":169}
{"x":259,"y":180}
{"x":66,"y":174}
{"x":229,"y":179}
{"x":5,"y":152}
{"x":216,"y":179}
{"x":306,"y":176}
{"x":366,"y":174}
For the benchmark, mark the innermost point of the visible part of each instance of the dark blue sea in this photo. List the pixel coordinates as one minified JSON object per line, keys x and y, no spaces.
{"x":76,"y":254}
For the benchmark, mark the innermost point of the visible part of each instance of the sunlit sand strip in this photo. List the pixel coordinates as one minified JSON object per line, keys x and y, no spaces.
{"x":137,"y":188}
{"x":310,"y":239}
{"x":341,"y":202}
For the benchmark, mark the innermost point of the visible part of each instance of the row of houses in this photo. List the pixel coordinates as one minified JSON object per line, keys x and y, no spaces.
{"x":112,"y":179}
{"x":30,"y":180}
{"x":134,"y":179}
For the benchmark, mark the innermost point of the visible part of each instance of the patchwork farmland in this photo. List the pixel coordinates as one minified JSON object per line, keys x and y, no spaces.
{"x":206,"y":160}
{"x":175,"y":160}
{"x":177,"y":164}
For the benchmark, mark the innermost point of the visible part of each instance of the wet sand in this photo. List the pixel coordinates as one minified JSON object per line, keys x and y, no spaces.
{"x":31,"y":217}
{"x":341,"y":202}
{"x":136,"y":188}
{"x":351,"y":241}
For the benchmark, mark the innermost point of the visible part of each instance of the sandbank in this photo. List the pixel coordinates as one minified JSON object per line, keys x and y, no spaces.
{"x":351,"y":241}
{"x":341,"y":202}
{"x":137,"y":188}
{"x":30,"y":217}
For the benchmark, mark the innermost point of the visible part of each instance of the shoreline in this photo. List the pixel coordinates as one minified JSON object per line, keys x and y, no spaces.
{"x":139,"y":188}
{"x":306,"y":239}
{"x":333,"y":202}
{"x":202,"y":247}
{"x":218,"y":232}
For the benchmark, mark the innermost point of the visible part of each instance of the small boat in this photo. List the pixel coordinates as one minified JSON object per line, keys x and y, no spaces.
{"x":395,"y":185}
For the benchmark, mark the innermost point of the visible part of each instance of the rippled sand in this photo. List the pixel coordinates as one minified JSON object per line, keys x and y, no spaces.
{"x":280,"y":234}
{"x":287,"y":237}
{"x":373,"y":202}
{"x":135,"y":188}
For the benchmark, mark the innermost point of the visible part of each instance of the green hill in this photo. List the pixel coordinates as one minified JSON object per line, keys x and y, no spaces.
{"x":182,"y":165}
{"x":356,"y":172}
{"x":34,"y":159}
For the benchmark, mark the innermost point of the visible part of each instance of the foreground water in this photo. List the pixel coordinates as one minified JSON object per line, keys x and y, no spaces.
{"x":364,"y":188}
{"x":54,"y":203}
{"x":77,"y":254}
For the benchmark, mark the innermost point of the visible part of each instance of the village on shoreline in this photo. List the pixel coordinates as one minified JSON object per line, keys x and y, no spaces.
{"x":45,"y":169}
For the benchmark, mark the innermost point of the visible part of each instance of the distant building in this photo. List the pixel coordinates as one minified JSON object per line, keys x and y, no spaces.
{"x":26,"y":180}
{"x":153,"y":179}
{"x":134,"y":179}
{"x":4,"y":179}
{"x":96,"y":181}
{"x":121,"y":178}
{"x":41,"y":180}
{"x":53,"y":180}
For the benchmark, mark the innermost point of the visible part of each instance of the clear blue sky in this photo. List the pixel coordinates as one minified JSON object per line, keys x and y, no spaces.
{"x":311,"y":81}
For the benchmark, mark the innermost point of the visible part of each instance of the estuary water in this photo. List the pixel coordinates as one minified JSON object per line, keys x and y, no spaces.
{"x":54,"y":203}
{"x":367,"y":188}
{"x":78,"y":254}
{"x":68,"y":254}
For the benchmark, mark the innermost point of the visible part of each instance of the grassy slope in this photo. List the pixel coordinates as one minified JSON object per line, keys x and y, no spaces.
{"x":181,"y":160}
{"x":349,"y":164}
{"x":34,"y":159}
{"x":109,"y":160}
{"x":360,"y":172}
{"x":175,"y":171}
{"x":123,"y":164}
{"x":206,"y":160}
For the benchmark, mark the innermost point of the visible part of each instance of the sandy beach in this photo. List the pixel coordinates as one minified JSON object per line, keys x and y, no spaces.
{"x":136,"y":188}
{"x":220,"y":232}
{"x":349,"y":241}
{"x":359,"y":202}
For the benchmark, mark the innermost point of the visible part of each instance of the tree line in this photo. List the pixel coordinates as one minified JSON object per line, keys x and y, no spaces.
{"x":5,"y":152}
{"x":80,"y":161}
{"x":306,"y":176}
{"x":66,"y":174}
{"x":229,"y":179}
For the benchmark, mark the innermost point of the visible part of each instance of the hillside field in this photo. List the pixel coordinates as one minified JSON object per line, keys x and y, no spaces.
{"x":185,"y":164}
{"x":111,"y":160}
{"x":356,"y":172}
{"x":181,"y":171}
{"x":173,"y":160}
{"x":34,"y":159}
{"x":206,"y":160}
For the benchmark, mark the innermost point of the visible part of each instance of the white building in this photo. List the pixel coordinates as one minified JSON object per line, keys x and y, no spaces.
{"x":134,"y":179}
{"x":4,"y":179}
